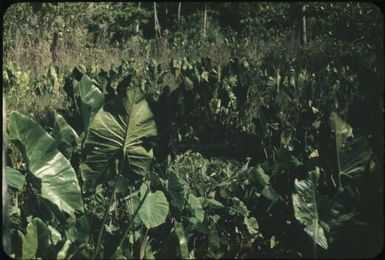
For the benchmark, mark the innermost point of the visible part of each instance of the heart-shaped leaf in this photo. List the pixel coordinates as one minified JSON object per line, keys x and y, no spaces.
{"x":58,"y":179}
{"x":154,"y":209}
{"x":121,"y":127}
{"x":353,"y":154}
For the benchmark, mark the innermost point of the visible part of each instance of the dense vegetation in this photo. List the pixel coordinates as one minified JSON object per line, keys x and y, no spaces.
{"x":186,"y":130}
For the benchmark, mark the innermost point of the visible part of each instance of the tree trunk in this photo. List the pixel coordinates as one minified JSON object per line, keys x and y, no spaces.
{"x":5,"y":201}
{"x":304,"y":33}
{"x":137,"y":26}
{"x":156,"y":22}
{"x":205,"y":22}
{"x":179,"y":7}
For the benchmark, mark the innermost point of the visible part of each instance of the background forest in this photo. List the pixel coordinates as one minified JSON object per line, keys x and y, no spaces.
{"x":193,"y":130}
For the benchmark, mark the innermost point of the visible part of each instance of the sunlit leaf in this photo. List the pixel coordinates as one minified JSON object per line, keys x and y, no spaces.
{"x":65,"y":136}
{"x":121,"y":127}
{"x":59,"y":183}
{"x":15,"y":179}
{"x":64,"y":250}
{"x":261,"y":176}
{"x":306,"y":208}
{"x":252,"y":225}
{"x":154,"y":209}
{"x":37,"y":238}
{"x":55,"y":235}
{"x":195,"y":207}
{"x":92,"y":99}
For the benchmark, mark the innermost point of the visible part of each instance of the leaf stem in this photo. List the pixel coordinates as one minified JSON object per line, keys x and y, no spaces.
{"x":143,"y":244}
{"x":338,"y":162}
{"x":127,"y":230}
{"x":106,"y":216}
{"x":77,"y":250}
{"x":314,"y":199}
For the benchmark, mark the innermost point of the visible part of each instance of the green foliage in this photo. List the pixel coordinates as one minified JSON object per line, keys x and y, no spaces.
{"x":35,"y":98}
{"x":58,"y":181}
{"x":92,"y":99}
{"x":353,"y":154}
{"x":154,"y":210}
{"x":176,"y":190}
{"x":196,"y":208}
{"x":37,"y":238}
{"x":65,"y":136}
{"x":223,"y":145}
{"x":179,"y":231}
{"x":306,"y":208}
{"x":120,"y":129}
{"x":15,"y":178}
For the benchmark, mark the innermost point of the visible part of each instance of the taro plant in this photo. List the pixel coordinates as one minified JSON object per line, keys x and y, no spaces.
{"x":116,"y":146}
{"x":323,"y":215}
{"x":90,"y":186}
{"x":48,"y":180}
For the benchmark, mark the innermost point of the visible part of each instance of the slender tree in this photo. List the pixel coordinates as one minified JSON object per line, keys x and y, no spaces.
{"x":304,"y":33}
{"x":6,"y":236}
{"x":156,"y":22}
{"x":205,"y":22}
{"x":137,"y":25}
{"x":179,"y":7}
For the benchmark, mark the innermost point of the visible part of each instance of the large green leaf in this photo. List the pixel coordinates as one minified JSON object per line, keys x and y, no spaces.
{"x":37,"y":237}
{"x":15,"y":179}
{"x":176,"y":190}
{"x":353,"y":154}
{"x":122,"y":126}
{"x":92,"y":99}
{"x":341,"y":129}
{"x":306,"y":208}
{"x":340,"y":210}
{"x":154,"y":209}
{"x":65,"y":136}
{"x":58,"y":179}
{"x":195,"y":207}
